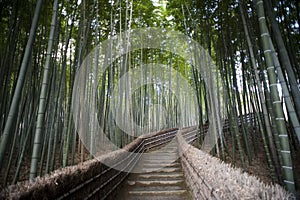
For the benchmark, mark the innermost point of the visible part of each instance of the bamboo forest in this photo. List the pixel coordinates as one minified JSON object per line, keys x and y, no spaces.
{"x":150,"y":99}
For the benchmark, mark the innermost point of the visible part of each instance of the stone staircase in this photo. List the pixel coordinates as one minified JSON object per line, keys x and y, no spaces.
{"x":161,"y":178}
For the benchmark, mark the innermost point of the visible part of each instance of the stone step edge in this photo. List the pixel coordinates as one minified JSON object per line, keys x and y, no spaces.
{"x":155,"y":182}
{"x":156,"y":193}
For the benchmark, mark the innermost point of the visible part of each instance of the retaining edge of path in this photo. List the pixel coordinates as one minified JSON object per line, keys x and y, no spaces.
{"x":210,"y":178}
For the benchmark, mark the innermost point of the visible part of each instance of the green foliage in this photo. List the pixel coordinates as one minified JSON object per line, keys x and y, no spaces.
{"x":216,"y":25}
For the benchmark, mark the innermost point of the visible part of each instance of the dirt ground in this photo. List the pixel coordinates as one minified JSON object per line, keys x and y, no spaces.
{"x":25,"y":168}
{"x":259,"y":165}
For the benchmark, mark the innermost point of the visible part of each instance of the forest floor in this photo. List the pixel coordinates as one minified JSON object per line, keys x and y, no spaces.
{"x":25,"y":168}
{"x":259,"y":164}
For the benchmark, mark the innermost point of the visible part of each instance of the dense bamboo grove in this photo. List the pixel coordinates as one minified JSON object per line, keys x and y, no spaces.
{"x":254,"y":44}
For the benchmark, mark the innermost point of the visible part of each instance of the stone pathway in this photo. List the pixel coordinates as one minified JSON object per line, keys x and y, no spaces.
{"x":161,"y":178}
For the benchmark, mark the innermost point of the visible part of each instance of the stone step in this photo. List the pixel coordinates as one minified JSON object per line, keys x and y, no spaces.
{"x":168,"y":151}
{"x":163,"y":147}
{"x":159,"y":161}
{"x":160,"y":176}
{"x":161,"y":169}
{"x":162,"y":154}
{"x":152,"y":197}
{"x":161,"y":158}
{"x":170,"y":147}
{"x":155,"y":165}
{"x":158,"y":192}
{"x":155,"y":182}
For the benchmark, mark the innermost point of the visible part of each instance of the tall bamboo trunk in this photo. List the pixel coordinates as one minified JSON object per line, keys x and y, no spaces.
{"x":42,"y":102}
{"x":287,"y":166}
{"x":7,"y":133}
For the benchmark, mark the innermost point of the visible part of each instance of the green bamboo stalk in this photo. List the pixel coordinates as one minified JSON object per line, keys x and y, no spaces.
{"x":286,"y":95}
{"x":286,"y":64}
{"x":262,"y":100}
{"x":287,"y":165}
{"x":5,"y":139}
{"x":51,"y":127}
{"x":43,"y":95}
